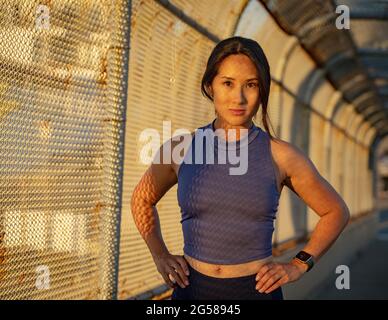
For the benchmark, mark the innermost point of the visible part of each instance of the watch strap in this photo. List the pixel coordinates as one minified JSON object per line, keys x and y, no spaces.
{"x":305,"y":258}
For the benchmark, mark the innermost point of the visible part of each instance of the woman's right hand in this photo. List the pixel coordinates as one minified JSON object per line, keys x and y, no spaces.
{"x":174,"y":266}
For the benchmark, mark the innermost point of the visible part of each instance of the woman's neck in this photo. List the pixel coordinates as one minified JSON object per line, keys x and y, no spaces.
{"x":235,"y":130}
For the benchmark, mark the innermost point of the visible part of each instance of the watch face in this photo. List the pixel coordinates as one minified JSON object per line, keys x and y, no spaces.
{"x":304,"y":256}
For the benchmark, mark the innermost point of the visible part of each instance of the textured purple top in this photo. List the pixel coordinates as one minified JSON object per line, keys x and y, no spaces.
{"x":228,"y":219}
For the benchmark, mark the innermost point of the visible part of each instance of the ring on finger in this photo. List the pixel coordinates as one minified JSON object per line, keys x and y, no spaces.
{"x":171,"y":278}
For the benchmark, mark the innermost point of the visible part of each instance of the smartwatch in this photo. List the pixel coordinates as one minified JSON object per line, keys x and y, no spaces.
{"x":305,"y":258}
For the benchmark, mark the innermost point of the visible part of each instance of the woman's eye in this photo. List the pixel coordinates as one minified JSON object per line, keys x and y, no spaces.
{"x":250,"y":85}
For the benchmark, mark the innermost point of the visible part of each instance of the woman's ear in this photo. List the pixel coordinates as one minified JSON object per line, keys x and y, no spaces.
{"x":210,"y":91}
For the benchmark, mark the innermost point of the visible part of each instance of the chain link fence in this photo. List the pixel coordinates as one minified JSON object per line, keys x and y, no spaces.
{"x":62,"y":108}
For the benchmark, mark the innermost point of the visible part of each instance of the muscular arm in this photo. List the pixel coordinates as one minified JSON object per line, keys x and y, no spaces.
{"x":155,"y":182}
{"x":303,"y":178}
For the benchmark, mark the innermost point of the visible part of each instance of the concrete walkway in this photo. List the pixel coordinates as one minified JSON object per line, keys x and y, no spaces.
{"x":368,"y":272}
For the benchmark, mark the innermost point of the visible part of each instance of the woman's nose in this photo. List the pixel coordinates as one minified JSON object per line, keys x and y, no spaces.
{"x":239,"y":95}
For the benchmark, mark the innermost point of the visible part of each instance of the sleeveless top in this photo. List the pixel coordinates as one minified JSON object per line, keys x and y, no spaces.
{"x":228,"y":218}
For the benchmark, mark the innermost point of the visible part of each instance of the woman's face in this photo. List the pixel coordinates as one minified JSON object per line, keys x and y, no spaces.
{"x":236,"y":86}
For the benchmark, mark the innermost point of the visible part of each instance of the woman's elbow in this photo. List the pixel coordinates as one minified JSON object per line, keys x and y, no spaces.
{"x":345,"y":214}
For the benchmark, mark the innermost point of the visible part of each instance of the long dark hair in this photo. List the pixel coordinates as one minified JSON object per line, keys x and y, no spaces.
{"x":249,"y":47}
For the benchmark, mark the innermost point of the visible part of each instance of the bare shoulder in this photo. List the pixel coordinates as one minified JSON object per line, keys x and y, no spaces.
{"x":283,"y":150}
{"x":303,"y":178}
{"x":176,"y":142}
{"x":182,"y":140}
{"x":297,"y":169}
{"x":179,"y":138}
{"x":289,"y":159}
{"x":179,"y":145}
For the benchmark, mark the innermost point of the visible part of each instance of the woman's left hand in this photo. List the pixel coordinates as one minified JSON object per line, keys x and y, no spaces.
{"x":273,"y":275}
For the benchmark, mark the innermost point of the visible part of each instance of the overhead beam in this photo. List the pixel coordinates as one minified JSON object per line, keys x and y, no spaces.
{"x":369,"y":13}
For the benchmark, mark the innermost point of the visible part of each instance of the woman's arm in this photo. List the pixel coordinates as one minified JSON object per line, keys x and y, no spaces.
{"x":155,"y":182}
{"x":303,"y":178}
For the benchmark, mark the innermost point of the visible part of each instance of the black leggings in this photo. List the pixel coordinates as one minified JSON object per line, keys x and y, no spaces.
{"x":203,"y":287}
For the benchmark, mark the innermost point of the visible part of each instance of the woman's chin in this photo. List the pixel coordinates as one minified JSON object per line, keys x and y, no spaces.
{"x":237,"y":121}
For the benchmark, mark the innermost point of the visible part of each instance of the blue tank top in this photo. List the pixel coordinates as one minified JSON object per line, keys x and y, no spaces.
{"x":228,"y":219}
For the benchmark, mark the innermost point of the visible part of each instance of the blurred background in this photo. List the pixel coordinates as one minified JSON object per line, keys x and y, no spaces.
{"x":81,"y":79}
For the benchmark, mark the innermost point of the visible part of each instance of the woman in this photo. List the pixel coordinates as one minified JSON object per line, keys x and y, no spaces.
{"x":227,"y":219}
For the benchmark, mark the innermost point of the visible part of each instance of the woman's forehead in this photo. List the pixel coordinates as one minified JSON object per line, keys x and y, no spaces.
{"x":237,"y":66}
{"x":249,"y":78}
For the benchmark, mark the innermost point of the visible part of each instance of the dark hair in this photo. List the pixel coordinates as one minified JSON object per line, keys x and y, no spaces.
{"x":249,"y":47}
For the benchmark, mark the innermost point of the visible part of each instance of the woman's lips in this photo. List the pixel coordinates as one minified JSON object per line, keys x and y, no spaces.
{"x":237,"y":112}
